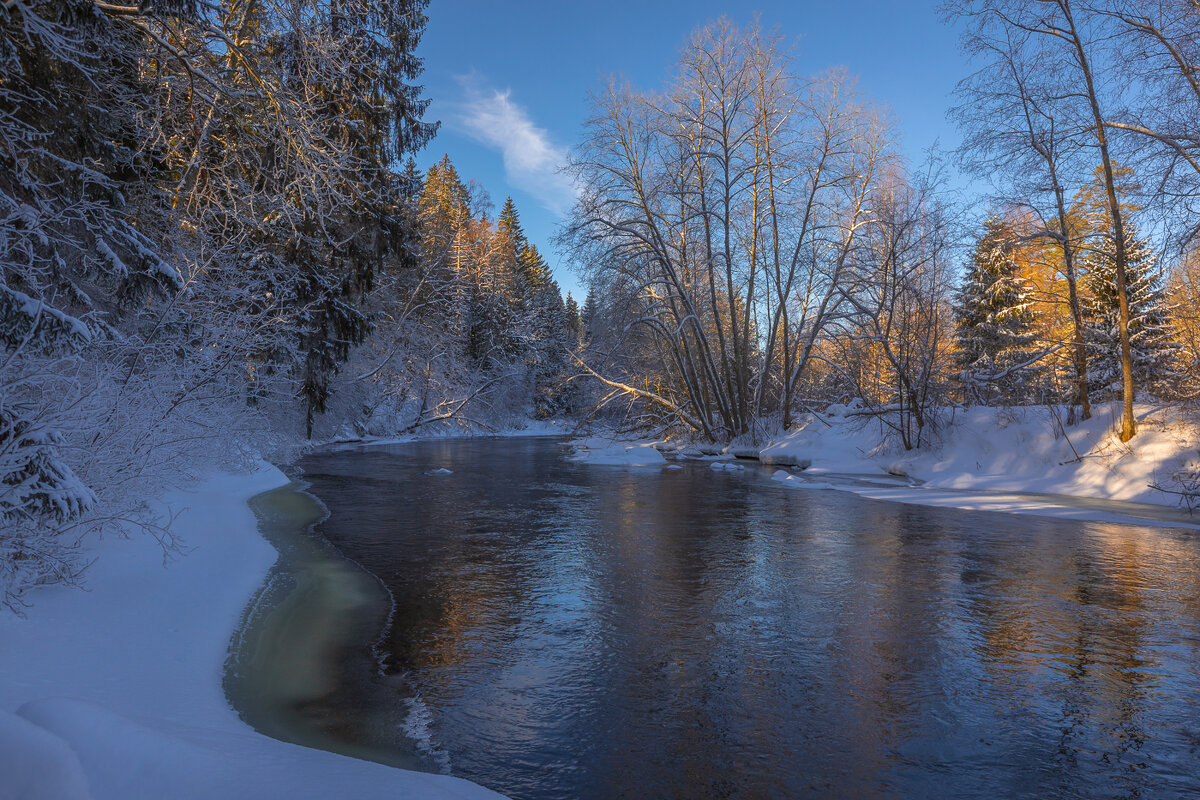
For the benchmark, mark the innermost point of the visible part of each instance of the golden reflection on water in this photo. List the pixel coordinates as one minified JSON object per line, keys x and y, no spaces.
{"x":652,"y":630}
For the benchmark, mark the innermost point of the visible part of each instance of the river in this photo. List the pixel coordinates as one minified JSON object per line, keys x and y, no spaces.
{"x":562,"y":630}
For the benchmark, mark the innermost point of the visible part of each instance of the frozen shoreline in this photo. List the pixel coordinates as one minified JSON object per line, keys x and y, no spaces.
{"x":116,"y":691}
{"x":1003,"y":460}
{"x":533,"y":428}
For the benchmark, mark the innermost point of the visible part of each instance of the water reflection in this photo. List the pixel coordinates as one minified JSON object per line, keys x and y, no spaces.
{"x":602,"y":633}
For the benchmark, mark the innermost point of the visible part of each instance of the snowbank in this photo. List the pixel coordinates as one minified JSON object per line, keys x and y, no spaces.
{"x":987,"y":458}
{"x":607,"y":452}
{"x":117,"y":692}
{"x":530,"y":427}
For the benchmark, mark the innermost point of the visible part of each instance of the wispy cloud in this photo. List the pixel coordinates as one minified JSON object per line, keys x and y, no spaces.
{"x":531,"y":159}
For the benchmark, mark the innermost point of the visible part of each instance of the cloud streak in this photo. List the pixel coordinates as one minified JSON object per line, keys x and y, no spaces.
{"x":531,"y":159}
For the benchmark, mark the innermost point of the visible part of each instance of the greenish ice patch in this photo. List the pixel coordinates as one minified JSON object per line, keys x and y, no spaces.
{"x":302,"y":667}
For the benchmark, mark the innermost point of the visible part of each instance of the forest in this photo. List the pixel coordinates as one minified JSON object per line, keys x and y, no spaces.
{"x":215,"y":244}
{"x":763,"y":247}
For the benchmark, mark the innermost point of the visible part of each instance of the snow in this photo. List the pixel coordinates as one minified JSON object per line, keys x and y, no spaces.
{"x":116,"y":692}
{"x":1007,"y":503}
{"x":796,"y":482}
{"x":32,"y":308}
{"x":992,"y":459}
{"x":529,"y":427}
{"x":111,"y":258}
{"x":36,"y":764}
{"x":600,"y":451}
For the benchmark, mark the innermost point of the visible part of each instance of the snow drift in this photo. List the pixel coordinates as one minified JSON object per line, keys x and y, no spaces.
{"x":117,"y":692}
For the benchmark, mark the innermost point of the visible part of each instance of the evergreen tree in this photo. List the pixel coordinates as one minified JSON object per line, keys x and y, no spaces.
{"x":445,"y":202}
{"x":994,"y":321}
{"x":587,"y":315}
{"x":446,"y":221}
{"x":510,"y":238}
{"x":533,"y":270}
{"x":379,"y":115}
{"x":574,"y":318}
{"x":1151,"y":338}
{"x":73,"y":260}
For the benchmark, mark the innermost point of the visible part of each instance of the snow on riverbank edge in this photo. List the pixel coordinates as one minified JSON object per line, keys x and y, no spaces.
{"x":985,"y":459}
{"x":116,"y":692}
{"x":530,"y":427}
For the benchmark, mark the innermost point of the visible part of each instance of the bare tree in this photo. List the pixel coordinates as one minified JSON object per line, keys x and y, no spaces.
{"x":1075,"y":38}
{"x":1158,"y":49}
{"x":1017,"y":126}
{"x":731,"y":207}
{"x":896,"y":344}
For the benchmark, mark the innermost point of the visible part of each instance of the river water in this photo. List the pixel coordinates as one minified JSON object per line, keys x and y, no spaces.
{"x":564,"y":631}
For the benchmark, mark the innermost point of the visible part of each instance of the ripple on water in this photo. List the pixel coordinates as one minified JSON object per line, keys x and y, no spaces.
{"x":574,"y":631}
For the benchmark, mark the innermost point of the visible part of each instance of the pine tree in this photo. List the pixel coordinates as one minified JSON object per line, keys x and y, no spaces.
{"x":445,"y":202}
{"x":1150,"y":334}
{"x":533,"y":270}
{"x":510,"y":234}
{"x":994,"y":321}
{"x":73,"y":260}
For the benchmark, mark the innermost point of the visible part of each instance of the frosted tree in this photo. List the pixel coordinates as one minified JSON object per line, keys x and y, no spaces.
{"x":1152,"y":339}
{"x":574,"y":317}
{"x":993,"y":322}
{"x":72,"y":261}
{"x":187,"y":233}
{"x":730,"y":209}
{"x":1064,"y":51}
{"x":894,"y":347}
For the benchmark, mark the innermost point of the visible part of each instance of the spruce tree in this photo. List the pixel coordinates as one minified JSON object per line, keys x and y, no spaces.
{"x":1150,"y":334}
{"x":587,"y":315}
{"x":378,"y":113}
{"x":445,"y":202}
{"x":574,"y":318}
{"x":533,"y":269}
{"x":993,"y":321}
{"x":509,"y":226}
{"x":74,"y":261}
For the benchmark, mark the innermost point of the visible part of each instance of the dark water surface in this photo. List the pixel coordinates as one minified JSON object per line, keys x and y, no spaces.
{"x":569,"y":631}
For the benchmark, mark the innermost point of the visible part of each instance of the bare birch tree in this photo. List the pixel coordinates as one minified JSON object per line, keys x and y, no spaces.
{"x":731,"y":206}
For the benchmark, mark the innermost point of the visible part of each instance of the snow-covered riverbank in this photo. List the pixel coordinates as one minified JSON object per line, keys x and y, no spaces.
{"x":116,"y":692}
{"x":984,"y":459}
{"x":530,"y":427}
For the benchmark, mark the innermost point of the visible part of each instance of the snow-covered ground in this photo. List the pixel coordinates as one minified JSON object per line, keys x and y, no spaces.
{"x":529,"y":427}
{"x":1013,"y":450}
{"x":985,"y":459}
{"x":116,"y":692}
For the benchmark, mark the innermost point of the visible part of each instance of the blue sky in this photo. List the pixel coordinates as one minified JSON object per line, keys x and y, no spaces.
{"x":510,"y":80}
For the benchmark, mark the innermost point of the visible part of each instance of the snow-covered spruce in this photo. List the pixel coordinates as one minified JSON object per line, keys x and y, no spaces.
{"x":996,"y":356}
